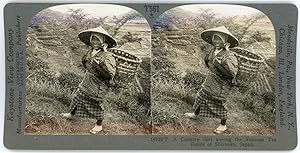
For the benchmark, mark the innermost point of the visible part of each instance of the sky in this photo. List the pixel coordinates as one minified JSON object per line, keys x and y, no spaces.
{"x":95,"y":10}
{"x":222,"y":9}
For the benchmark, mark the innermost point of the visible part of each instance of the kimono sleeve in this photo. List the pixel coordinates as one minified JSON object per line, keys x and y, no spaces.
{"x":106,"y":65}
{"x":110,"y":64}
{"x":230,"y":63}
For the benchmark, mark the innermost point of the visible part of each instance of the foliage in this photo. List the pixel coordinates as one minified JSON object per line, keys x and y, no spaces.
{"x":76,"y":18}
{"x":52,"y":79}
{"x":206,"y":19}
{"x":194,"y":79}
{"x":169,"y":99}
{"x":271,"y":62}
{"x":259,"y":105}
{"x":39,"y":70}
{"x":69,"y":80}
{"x":35,"y":64}
{"x":173,"y":89}
{"x":130,"y":101}
{"x":164,"y":68}
{"x":44,"y":17}
{"x":169,"y":18}
{"x":49,"y":90}
{"x":124,"y":19}
{"x":269,"y":98}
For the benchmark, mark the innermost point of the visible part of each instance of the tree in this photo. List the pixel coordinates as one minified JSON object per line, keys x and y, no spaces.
{"x":76,"y":18}
{"x":204,"y":18}
{"x":124,"y":19}
{"x":249,"y":21}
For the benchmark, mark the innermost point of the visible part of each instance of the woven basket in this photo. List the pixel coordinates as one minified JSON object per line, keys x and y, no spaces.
{"x":127,"y":65}
{"x":249,"y":63}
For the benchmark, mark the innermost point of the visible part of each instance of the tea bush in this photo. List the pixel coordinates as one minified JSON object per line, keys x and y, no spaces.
{"x":194,"y":79}
{"x":69,"y":80}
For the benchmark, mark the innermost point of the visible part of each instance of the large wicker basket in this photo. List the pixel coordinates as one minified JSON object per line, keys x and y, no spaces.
{"x":127,"y":65}
{"x":249,"y":63}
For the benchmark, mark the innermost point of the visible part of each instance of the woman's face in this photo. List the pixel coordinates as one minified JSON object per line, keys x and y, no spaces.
{"x":217,"y":41}
{"x":97,"y":42}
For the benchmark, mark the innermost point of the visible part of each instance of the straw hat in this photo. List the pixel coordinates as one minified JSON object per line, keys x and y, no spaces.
{"x":206,"y":35}
{"x":85,"y":35}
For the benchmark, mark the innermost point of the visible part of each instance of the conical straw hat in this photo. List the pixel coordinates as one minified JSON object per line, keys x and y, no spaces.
{"x":85,"y":35}
{"x":206,"y":35}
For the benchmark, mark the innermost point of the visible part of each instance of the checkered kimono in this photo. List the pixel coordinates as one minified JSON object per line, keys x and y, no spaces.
{"x":207,"y":105}
{"x":89,"y":97}
{"x":87,"y":106}
{"x":211,"y":101}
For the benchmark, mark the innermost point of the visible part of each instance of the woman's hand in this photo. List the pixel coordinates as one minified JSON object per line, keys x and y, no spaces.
{"x":226,"y":46}
{"x":104,"y":46}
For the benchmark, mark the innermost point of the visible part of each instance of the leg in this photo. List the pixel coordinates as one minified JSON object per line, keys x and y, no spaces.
{"x":99,"y":122}
{"x":222,"y":114}
{"x":223,"y":121}
{"x":197,"y":110}
{"x":98,"y":127}
{"x":73,"y":111}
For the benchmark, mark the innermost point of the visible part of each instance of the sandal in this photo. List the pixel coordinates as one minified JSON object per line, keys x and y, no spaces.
{"x":190,"y":115}
{"x":68,"y":116}
{"x":216,"y":131}
{"x":93,"y":131}
{"x":221,"y":129}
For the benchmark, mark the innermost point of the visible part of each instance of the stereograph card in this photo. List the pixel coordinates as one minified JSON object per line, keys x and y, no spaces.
{"x":150,"y":76}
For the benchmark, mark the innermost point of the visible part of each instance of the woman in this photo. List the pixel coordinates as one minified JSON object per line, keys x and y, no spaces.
{"x":223,"y":66}
{"x":101,"y":68}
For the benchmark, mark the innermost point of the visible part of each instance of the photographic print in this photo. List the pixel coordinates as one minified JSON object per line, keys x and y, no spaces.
{"x":88,"y":71}
{"x":150,"y":76}
{"x":213,"y":71}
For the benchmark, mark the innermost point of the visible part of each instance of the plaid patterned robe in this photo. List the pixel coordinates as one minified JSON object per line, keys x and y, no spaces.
{"x":88,"y":99}
{"x":211,"y":99}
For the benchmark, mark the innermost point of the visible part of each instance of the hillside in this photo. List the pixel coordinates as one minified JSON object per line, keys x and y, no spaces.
{"x":178,"y":71}
{"x":54,"y":71}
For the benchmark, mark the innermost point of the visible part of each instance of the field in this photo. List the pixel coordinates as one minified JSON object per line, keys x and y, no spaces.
{"x":54,"y":71}
{"x":181,"y":51}
{"x":170,"y":75}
